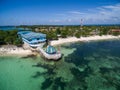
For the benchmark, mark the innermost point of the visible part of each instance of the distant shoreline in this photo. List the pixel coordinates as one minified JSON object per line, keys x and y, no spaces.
{"x":83,"y":39}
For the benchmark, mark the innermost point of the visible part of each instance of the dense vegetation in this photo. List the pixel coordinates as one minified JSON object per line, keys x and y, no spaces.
{"x":69,"y":31}
{"x":53,"y":32}
{"x":10,"y":37}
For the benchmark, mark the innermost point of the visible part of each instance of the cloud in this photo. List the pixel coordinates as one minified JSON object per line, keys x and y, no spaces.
{"x":76,"y":12}
{"x":112,"y":7}
{"x":55,"y":20}
{"x":60,"y":14}
{"x":109,"y":14}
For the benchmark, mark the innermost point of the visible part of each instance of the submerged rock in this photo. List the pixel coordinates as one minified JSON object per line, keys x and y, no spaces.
{"x":38,"y":74}
{"x":46,"y":84}
{"x":77,"y":57}
{"x":104,"y":70}
{"x":33,"y":56}
{"x":49,"y":68}
{"x":112,"y":75}
{"x":58,"y":84}
{"x":80,"y":75}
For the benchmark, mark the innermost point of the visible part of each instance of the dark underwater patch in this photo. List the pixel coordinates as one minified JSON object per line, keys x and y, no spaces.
{"x":47,"y":83}
{"x":77,"y":60}
{"x":59,"y":83}
{"x":46,"y":66}
{"x":50,"y":69}
{"x":55,"y":84}
{"x":37,"y":74}
{"x":30,"y":56}
{"x":77,"y":57}
{"x":111,"y":80}
{"x":104,"y":70}
{"x":79,"y":78}
{"x":81,"y":75}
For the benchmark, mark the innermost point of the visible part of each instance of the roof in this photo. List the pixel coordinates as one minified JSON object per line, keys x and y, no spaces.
{"x":50,"y":50}
{"x":115,"y":30}
{"x":31,"y":35}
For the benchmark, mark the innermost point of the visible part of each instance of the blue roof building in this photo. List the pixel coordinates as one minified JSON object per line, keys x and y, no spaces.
{"x":32,"y":38}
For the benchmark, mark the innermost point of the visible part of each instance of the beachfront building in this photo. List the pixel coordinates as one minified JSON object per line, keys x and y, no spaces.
{"x":114,"y":32}
{"x":33,"y":39}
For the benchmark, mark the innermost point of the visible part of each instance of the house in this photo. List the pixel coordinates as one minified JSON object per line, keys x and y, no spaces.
{"x":33,"y":39}
{"x":115,"y":30}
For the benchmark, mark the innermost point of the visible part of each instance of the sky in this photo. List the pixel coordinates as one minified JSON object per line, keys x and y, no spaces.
{"x":59,"y":12}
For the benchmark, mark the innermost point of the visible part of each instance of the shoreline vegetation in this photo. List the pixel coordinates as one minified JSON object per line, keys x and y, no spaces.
{"x":11,"y":44}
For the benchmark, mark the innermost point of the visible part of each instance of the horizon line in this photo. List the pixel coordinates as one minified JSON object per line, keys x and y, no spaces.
{"x":57,"y":24}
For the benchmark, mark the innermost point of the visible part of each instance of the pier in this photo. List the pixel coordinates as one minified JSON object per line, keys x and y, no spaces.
{"x":54,"y":56}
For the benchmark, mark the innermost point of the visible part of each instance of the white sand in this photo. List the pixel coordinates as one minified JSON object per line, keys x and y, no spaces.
{"x":84,"y":39}
{"x":14,"y":51}
{"x":20,"y":51}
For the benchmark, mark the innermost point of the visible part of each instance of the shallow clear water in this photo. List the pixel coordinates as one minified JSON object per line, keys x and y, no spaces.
{"x":84,"y":66}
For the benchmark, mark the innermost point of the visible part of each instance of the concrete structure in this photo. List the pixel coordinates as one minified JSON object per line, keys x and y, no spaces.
{"x":32,"y":38}
{"x":50,"y":55}
{"x":36,"y":41}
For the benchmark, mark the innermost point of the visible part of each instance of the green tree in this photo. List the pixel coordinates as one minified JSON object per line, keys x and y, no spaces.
{"x":58,"y":31}
{"x":9,"y":39}
{"x":18,"y":42}
{"x":51,"y":35}
{"x":116,"y":33}
{"x":64,"y":33}
{"x":2,"y":36}
{"x":77,"y":34}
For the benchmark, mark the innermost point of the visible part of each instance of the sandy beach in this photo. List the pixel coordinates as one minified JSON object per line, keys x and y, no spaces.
{"x":83,"y":39}
{"x":14,"y":50}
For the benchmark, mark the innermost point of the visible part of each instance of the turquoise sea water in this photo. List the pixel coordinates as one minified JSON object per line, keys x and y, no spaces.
{"x":84,"y":66}
{"x":6,"y":28}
